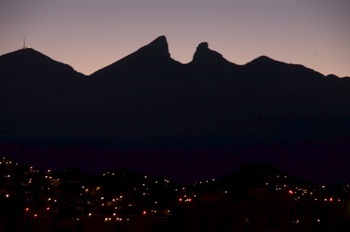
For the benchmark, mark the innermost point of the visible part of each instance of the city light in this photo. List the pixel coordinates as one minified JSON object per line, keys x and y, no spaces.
{"x":158,"y":198}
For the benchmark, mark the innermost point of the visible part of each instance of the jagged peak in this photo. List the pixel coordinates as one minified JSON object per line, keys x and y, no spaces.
{"x":203,"y":46}
{"x":160,"y":40}
{"x":204,"y":53}
{"x":158,"y":46}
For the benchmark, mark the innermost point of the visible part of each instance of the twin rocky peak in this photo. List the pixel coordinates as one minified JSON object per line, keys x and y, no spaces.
{"x":154,"y":59}
{"x":159,"y":48}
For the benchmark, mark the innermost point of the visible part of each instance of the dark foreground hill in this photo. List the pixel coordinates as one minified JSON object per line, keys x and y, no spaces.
{"x":150,"y":112}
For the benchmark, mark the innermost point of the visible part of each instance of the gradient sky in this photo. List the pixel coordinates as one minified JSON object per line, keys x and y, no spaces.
{"x":90,"y":35}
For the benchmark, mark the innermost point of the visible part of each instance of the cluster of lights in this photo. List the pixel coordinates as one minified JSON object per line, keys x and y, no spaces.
{"x":96,"y":198}
{"x":7,"y":162}
{"x":296,"y":221}
{"x":119,"y":219}
{"x":33,"y":170}
{"x":90,"y":192}
{"x":204,"y":182}
{"x":185,"y":199}
{"x":305,"y":193}
{"x":108,"y":174}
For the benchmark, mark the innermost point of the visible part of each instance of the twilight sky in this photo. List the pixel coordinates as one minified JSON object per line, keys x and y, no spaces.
{"x":91,"y":34}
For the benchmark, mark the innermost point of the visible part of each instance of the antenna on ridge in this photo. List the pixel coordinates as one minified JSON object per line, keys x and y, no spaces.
{"x":24,"y":42}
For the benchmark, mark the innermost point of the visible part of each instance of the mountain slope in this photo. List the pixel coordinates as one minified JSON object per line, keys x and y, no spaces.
{"x":152,"y":60}
{"x":29,"y":62}
{"x":36,"y":92}
{"x":265,"y":69}
{"x":209,"y":63}
{"x":148,"y":108}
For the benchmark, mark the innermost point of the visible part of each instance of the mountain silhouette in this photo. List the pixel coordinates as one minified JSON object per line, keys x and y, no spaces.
{"x":207,"y":62}
{"x":147,"y":109}
{"x":152,"y":60}
{"x":29,"y":62}
{"x":37,"y":93}
{"x":205,"y":56}
{"x":266,"y":68}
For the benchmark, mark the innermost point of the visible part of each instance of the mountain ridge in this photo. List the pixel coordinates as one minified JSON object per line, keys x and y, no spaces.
{"x":29,"y":59}
{"x":159,"y":48}
{"x":148,"y":108}
{"x":147,"y":60}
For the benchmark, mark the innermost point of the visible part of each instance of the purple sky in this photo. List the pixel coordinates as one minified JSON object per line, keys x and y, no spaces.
{"x":90,"y":35}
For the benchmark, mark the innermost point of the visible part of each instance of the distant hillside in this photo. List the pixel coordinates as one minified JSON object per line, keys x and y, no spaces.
{"x":209,"y":115}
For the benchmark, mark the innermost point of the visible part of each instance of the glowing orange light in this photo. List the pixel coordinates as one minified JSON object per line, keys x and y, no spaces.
{"x":180,"y":199}
{"x":35,"y":215}
{"x":290,"y":192}
{"x":331,"y":199}
{"x":27,"y":209}
{"x":144,"y":212}
{"x":48,"y":208}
